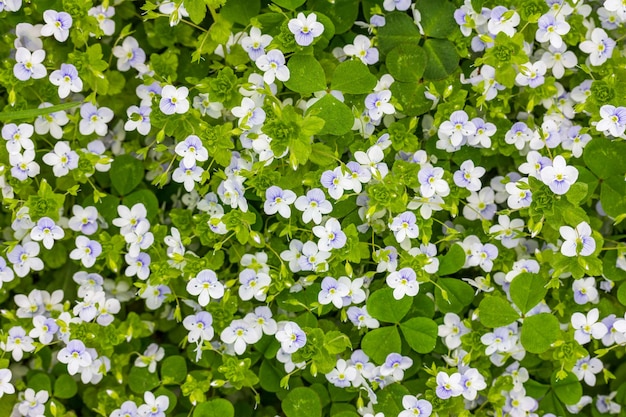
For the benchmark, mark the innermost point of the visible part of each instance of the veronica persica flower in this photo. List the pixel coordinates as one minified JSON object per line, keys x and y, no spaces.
{"x":599,"y":47}
{"x":5,"y":382}
{"x":457,"y":128}
{"x":403,"y":282}
{"x":613,"y":120}
{"x":67,"y":80}
{"x":404,"y":226}
{"x":331,"y":236}
{"x":154,"y":406}
{"x":138,"y":119}
{"x":391,"y":5}
{"x":188,"y":176}
{"x":531,"y":74}
{"x":86,"y":251}
{"x":305,"y":28}
{"x":587,"y":368}
{"x":58,"y":24}
{"x":503,"y":20}
{"x":332,"y":292}
{"x":468,"y":176}
{"x":46,"y":232}
{"x":377,"y":104}
{"x":199,"y":327}
{"x":291,"y":337}
{"x":451,"y":330}
{"x":62,"y":160}
{"x":75,"y":356}
{"x":255,"y":43}
{"x":560,"y":176}
{"x":395,"y":365}
{"x":94,"y":119}
{"x":578,"y":242}
{"x":10,"y":5}
{"x":588,"y":326}
{"x":585,"y":291}
{"x":362,"y":49}
{"x":24,"y":258}
{"x":313,"y":206}
{"x":278,"y":200}
{"x":273,"y":66}
{"x":51,"y":122}
{"x":448,"y":385}
{"x":413,"y":407}
{"x":550,"y":29}
{"x":29,"y":65}
{"x":253,"y":284}
{"x":103,"y":16}
{"x":18,"y":137}
{"x":206,"y":286}
{"x":361,"y":318}
{"x":342,"y":375}
{"x":239,"y":334}
{"x":129,"y":54}
{"x":174,"y":100}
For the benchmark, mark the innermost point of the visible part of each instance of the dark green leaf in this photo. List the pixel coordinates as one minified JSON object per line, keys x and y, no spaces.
{"x":353,"y":77}
{"x":342,"y":13}
{"x":146,"y":197}
{"x":379,"y":343}
{"x":65,"y":387}
{"x":382,"y":306}
{"x":289,"y":4}
{"x":173,"y":369}
{"x":140,"y":380}
{"x":407,"y":62}
{"x":452,"y":261}
{"x":539,"y":332}
{"x":442,"y":59}
{"x":399,"y":28}
{"x":306,"y":74}
{"x":126,"y":173}
{"x":420,"y":333}
{"x":240,"y":11}
{"x":437,"y":18}
{"x":390,"y":400}
{"x":613,"y":196}
{"x":496,"y":312}
{"x":456,"y":295}
{"x":527,"y":290}
{"x":605,"y":158}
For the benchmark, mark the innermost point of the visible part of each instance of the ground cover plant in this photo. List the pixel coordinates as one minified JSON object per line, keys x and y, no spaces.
{"x":310,"y":208}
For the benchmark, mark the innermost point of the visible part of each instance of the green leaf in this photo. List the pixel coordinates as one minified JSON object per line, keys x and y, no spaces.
{"x":411,"y":97}
{"x":39,"y":382}
{"x":140,"y":380}
{"x":399,"y":28}
{"x":569,"y":390}
{"x":379,"y":343}
{"x":32,"y":113}
{"x":269,"y":377}
{"x":353,"y":77}
{"x":406,"y":62}
{"x":382,"y":306}
{"x":420,"y":333}
{"x":218,"y":407}
{"x":65,"y":387}
{"x":613,"y":196}
{"x":241,"y":11}
{"x":437,"y":18}
{"x":442,"y":59}
{"x":173,"y":370}
{"x":605,"y":157}
{"x":621,"y":294}
{"x":289,"y":4}
{"x":458,"y":294}
{"x":302,"y":402}
{"x":452,"y":261}
{"x":496,"y":312}
{"x":527,"y":290}
{"x":577,"y":193}
{"x":146,"y":197}
{"x":126,"y":173}
{"x":196,"y":10}
{"x":610,"y":269}
{"x":390,"y":400}
{"x":539,"y":332}
{"x":306,"y":74}
{"x":337,"y":116}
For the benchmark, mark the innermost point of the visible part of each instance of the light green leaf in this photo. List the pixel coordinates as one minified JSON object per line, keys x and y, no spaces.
{"x":407,"y":62}
{"x":577,"y":192}
{"x":218,"y":407}
{"x":126,"y":173}
{"x":411,"y":97}
{"x":539,"y":332}
{"x":337,"y":116}
{"x":379,"y":343}
{"x":609,"y":267}
{"x":30,"y":114}
{"x":306,"y":74}
{"x":420,"y":333}
{"x":569,"y":390}
{"x":173,"y":369}
{"x":382,"y":306}
{"x":399,"y":28}
{"x":527,"y":290}
{"x":442,"y":59}
{"x":496,"y":312}
{"x":196,"y":10}
{"x":353,"y":77}
{"x":605,"y":158}
{"x":302,"y":402}
{"x":390,"y":400}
